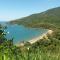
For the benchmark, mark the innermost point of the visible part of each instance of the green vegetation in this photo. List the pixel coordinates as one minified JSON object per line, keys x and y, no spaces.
{"x":45,"y":49}
{"x":46,"y":19}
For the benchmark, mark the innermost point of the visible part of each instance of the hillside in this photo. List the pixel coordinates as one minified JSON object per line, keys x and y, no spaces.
{"x":49,"y":18}
{"x":44,"y":49}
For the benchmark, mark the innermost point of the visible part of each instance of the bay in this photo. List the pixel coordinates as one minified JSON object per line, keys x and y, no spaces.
{"x":20,"y":33}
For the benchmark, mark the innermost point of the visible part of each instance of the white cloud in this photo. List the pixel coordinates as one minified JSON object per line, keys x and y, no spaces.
{"x":5,"y":18}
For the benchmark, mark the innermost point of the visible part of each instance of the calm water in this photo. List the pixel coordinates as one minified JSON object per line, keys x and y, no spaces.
{"x":20,"y":33}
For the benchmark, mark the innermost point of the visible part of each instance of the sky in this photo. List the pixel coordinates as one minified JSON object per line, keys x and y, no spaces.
{"x":15,"y":9}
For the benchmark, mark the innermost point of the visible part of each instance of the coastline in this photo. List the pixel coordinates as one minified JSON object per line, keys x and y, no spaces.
{"x":34,"y":40}
{"x":40,"y":37}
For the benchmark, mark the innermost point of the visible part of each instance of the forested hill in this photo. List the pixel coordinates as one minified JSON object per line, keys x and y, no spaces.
{"x":49,"y":18}
{"x":44,"y":49}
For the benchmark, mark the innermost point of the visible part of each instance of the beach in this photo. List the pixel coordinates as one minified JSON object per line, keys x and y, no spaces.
{"x":34,"y":40}
{"x":41,"y":37}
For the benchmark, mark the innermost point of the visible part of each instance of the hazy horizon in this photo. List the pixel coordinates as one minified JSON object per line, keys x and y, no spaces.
{"x":14,"y":9}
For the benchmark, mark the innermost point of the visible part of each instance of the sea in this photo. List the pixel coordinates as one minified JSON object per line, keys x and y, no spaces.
{"x":20,"y":33}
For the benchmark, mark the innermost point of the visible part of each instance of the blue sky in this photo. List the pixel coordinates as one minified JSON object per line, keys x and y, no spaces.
{"x":14,"y":9}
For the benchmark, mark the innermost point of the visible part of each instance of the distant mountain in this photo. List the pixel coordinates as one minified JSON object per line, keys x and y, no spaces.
{"x":49,"y":18}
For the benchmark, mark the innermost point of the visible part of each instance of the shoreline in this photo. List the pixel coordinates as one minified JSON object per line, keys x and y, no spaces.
{"x":40,"y":37}
{"x":34,"y":40}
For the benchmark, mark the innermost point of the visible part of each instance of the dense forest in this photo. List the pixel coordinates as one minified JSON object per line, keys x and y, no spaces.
{"x":45,"y":49}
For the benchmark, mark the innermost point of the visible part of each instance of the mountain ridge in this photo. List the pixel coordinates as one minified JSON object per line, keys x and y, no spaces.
{"x":51,"y":16}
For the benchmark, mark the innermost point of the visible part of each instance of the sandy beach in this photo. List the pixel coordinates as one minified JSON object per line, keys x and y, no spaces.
{"x":40,"y":37}
{"x":34,"y":40}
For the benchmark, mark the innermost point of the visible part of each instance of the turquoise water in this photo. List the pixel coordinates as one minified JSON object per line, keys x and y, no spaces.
{"x":20,"y":33}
